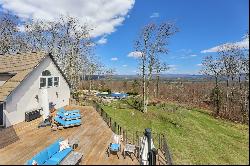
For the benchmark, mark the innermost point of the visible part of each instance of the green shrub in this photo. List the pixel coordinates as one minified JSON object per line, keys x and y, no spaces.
{"x":132,"y":93}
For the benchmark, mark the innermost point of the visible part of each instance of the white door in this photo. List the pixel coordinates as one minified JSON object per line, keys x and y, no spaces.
{"x":44,"y":102}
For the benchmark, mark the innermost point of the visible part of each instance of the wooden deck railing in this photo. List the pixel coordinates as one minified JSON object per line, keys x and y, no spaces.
{"x":133,"y":137}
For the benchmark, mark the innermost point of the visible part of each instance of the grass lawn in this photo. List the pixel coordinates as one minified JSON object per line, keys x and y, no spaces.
{"x":194,"y":136}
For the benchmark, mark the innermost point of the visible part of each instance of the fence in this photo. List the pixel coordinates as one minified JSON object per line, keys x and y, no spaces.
{"x":133,"y":137}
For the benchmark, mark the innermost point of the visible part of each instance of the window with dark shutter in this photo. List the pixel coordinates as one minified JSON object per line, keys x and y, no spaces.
{"x":56,"y":81}
{"x":42,"y":82}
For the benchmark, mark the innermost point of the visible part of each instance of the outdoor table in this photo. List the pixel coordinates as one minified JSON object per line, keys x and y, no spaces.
{"x":74,"y":158}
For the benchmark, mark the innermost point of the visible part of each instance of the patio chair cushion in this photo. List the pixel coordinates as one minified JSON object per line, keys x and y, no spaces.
{"x":50,"y":162}
{"x":73,"y":122}
{"x":68,"y":111}
{"x":49,"y":156}
{"x":67,"y":123}
{"x":53,"y":148}
{"x":41,"y":157}
{"x":69,"y":116}
{"x":59,"y":156}
{"x":114,"y":147}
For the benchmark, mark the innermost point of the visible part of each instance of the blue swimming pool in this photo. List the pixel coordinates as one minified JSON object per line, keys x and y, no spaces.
{"x":114,"y":95}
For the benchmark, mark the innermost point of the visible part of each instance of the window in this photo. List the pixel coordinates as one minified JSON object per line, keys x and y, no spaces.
{"x":56,"y":81}
{"x":46,"y":80}
{"x":46,"y":73}
{"x":42,"y":82}
{"x":50,"y":81}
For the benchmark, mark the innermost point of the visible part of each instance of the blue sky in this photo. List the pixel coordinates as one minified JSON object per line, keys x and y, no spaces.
{"x":203,"y":25}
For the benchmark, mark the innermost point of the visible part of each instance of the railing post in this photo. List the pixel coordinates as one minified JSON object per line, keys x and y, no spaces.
{"x":159,"y":137}
{"x":123,"y":133}
{"x":115,"y":128}
{"x":126,"y":137}
{"x":118,"y":127}
{"x":136,"y":135}
{"x":133,"y":138}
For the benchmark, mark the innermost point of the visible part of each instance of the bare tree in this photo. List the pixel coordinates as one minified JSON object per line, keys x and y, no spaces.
{"x":11,"y":38}
{"x":213,"y":67}
{"x":230,"y":55}
{"x":152,"y":41}
{"x":159,"y":67}
{"x":68,"y":41}
{"x":109,"y":73}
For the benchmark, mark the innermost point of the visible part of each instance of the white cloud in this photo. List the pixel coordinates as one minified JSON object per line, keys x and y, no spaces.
{"x":155,"y":15}
{"x":193,"y":55}
{"x":135,"y":54}
{"x":114,"y":59}
{"x":124,"y":65}
{"x":104,"y":16}
{"x":199,"y":64}
{"x":241,"y":44}
{"x":103,"y":40}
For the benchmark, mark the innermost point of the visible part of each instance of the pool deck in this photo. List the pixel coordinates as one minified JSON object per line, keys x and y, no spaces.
{"x":21,"y":142}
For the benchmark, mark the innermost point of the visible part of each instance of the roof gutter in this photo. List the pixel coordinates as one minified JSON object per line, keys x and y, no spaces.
{"x":64,"y":76}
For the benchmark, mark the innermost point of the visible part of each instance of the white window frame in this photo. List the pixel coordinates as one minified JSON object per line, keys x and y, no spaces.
{"x":45,"y":82}
{"x":52,"y":78}
{"x":57,"y":81}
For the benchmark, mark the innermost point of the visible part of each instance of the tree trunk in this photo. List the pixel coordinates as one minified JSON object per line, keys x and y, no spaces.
{"x":144,"y":85}
{"x":90,"y":83}
{"x":157,"y":86}
{"x":217,"y":97}
{"x":227,"y":93}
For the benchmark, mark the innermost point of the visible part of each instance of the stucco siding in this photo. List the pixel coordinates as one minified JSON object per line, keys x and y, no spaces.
{"x":23,"y":98}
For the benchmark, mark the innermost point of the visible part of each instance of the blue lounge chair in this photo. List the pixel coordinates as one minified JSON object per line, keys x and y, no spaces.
{"x":50,"y":155}
{"x":115,"y":146}
{"x":67,"y":111}
{"x":67,"y":123}
{"x":68,"y":116}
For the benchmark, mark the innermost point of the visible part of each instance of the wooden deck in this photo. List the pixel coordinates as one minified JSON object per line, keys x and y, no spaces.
{"x":21,"y":142}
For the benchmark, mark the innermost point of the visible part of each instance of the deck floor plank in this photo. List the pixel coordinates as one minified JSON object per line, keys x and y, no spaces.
{"x":21,"y":142}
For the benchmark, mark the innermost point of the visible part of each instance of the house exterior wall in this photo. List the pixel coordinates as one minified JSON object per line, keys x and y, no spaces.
{"x":23,"y":98}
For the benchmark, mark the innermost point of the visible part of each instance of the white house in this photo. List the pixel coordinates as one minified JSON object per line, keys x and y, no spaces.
{"x":27,"y":82}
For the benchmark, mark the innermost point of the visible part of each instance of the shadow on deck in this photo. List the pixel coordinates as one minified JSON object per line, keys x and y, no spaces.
{"x":8,"y":136}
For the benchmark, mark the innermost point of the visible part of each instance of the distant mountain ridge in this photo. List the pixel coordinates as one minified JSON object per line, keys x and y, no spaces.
{"x":163,"y":76}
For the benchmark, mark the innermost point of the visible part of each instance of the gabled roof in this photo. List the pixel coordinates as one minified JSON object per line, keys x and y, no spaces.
{"x":20,"y":65}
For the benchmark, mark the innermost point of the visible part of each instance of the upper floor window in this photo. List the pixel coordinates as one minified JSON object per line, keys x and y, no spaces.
{"x":50,"y":81}
{"x":42,"y":82}
{"x":56,"y":81}
{"x":47,"y":80}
